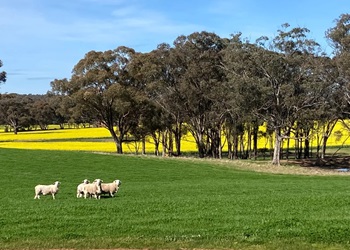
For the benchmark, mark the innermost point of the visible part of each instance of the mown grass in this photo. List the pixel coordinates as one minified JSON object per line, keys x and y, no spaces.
{"x":167,"y":204}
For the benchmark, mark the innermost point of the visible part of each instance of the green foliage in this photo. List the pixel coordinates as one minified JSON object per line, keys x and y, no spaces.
{"x":168,"y":204}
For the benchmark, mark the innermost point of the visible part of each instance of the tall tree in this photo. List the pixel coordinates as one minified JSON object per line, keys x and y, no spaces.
{"x":14,"y":111}
{"x":339,"y":38}
{"x":101,"y":84}
{"x":160,"y":74}
{"x":198,"y":60}
{"x":243,"y":92}
{"x":277,"y":73}
{"x":42,"y":112}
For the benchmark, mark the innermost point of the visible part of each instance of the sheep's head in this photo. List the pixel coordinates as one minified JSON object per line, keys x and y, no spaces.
{"x":118,"y":182}
{"x":98,"y":181}
{"x":86,"y":181}
{"x":57,"y":183}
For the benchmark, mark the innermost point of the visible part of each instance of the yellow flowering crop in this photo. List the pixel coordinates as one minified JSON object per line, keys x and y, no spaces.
{"x":81,"y":139}
{"x":55,"y":134}
{"x":99,"y":140}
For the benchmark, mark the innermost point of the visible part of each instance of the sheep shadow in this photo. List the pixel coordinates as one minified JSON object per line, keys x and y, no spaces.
{"x":107,"y":197}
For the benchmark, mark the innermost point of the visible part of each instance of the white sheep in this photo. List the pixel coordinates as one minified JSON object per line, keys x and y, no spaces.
{"x":93,"y":189}
{"x":46,"y":189}
{"x":111,"y":188}
{"x":80,"y":188}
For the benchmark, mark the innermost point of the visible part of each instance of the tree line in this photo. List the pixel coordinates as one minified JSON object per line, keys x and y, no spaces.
{"x":208,"y":86}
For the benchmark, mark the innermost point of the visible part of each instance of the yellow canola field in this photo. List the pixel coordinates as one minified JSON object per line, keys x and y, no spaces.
{"x":99,"y":140}
{"x":81,"y":139}
{"x":71,"y":145}
{"x":55,"y":134}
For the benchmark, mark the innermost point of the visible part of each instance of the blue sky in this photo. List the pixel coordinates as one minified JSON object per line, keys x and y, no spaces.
{"x":42,"y":40}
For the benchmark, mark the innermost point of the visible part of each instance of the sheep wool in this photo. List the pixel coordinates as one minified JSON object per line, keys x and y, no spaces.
{"x":111,"y":188}
{"x":46,"y":189}
{"x":80,"y":187}
{"x":93,"y":189}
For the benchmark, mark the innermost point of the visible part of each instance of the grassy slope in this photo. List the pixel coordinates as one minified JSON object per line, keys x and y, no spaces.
{"x":167,"y":203}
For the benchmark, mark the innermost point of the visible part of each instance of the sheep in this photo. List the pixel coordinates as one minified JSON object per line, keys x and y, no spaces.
{"x":111,"y":188}
{"x":46,"y":189}
{"x":80,"y":188}
{"x":93,"y":189}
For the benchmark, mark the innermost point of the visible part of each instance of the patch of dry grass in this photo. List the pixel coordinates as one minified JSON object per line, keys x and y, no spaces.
{"x":330,"y":166}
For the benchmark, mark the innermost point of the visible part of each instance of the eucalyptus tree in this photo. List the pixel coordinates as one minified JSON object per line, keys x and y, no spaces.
{"x":276,"y":73}
{"x":62,"y":102}
{"x":14,"y":111}
{"x":339,"y":39}
{"x":303,"y":89}
{"x":42,"y":112}
{"x":244,"y":96}
{"x":158,"y":76}
{"x":331,"y":105}
{"x":100,"y":83}
{"x":198,"y":59}
{"x":63,"y":106}
{"x":294,"y":88}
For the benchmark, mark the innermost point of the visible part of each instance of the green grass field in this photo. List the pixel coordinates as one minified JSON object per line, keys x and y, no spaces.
{"x":167,"y":203}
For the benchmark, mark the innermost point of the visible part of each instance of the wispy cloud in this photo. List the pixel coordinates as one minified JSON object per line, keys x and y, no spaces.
{"x":116,"y":23}
{"x":40,"y":78}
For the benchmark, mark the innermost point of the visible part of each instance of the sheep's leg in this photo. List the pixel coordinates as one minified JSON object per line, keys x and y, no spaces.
{"x":53,"y":196}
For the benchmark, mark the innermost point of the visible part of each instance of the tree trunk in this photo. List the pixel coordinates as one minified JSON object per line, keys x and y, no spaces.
{"x":14,"y":125}
{"x":201,"y":149}
{"x":235,"y":146}
{"x":156,"y":140}
{"x":143,"y":151}
{"x":255,"y":141}
{"x":170,"y":144}
{"x":201,"y":146}
{"x":178,"y":135}
{"x":119,"y":147}
{"x":117,"y":140}
{"x":229,"y":149}
{"x":219,"y":145}
{"x":164,"y":143}
{"x":288,"y":148}
{"x":307,"y":149}
{"x":324,"y":146}
{"x":249,"y":143}
{"x":277,"y":148}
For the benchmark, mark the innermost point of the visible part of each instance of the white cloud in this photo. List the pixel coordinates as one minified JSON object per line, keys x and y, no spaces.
{"x":117,"y":23}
